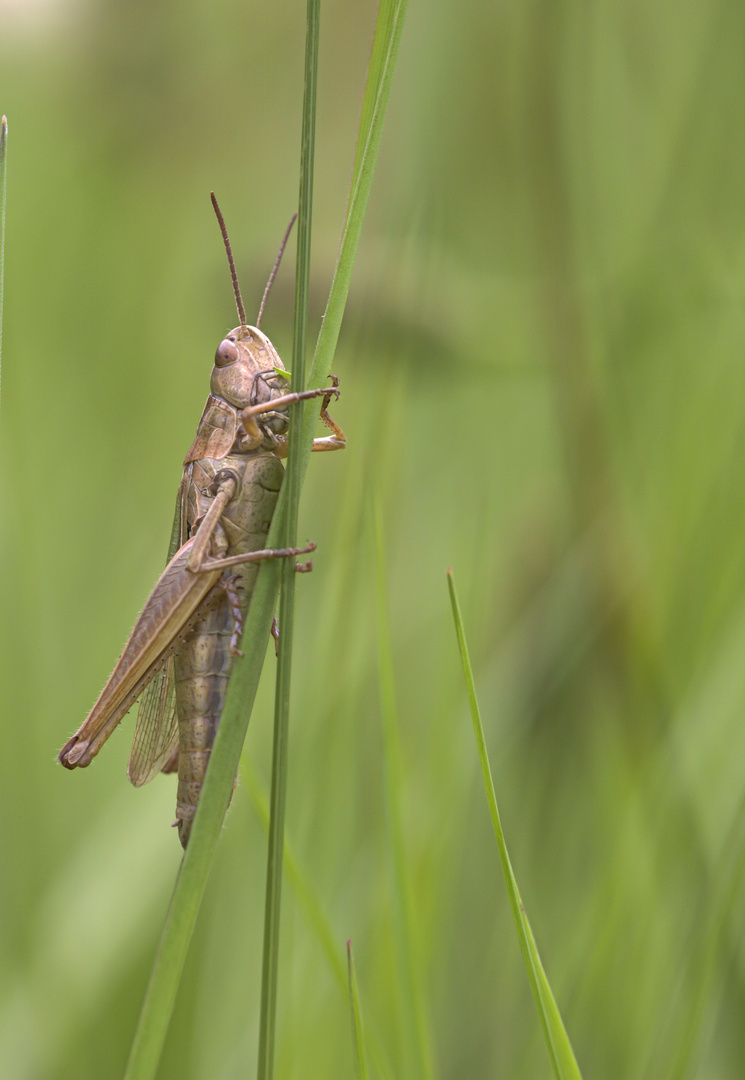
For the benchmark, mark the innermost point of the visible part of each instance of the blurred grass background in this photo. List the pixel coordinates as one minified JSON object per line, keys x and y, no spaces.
{"x":543,"y":386}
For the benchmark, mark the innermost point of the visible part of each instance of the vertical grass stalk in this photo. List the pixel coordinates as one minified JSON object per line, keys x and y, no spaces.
{"x":292,"y":483}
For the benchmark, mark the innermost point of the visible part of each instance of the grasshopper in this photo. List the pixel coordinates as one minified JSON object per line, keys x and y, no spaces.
{"x":180,"y":653}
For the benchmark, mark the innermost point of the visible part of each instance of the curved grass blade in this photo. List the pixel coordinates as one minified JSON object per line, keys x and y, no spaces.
{"x":358,"y":1040}
{"x":560,"y":1050}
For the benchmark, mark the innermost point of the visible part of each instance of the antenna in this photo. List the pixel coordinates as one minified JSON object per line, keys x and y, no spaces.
{"x":273,"y":274}
{"x":233,"y":274}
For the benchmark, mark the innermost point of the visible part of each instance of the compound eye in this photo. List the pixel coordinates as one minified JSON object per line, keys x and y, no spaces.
{"x":227,"y":353}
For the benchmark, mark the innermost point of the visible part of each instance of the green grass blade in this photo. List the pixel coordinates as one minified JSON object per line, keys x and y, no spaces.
{"x":358,"y":1040}
{"x":225,"y":757}
{"x":677,"y":1053}
{"x":559,"y":1047}
{"x":292,"y":484}
{"x":310,"y":904}
{"x":386,"y":41}
{"x":308,"y":900}
{"x":410,"y":1001}
{"x":3,"y":184}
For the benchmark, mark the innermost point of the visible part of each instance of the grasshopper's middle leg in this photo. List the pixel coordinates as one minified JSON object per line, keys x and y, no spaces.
{"x":208,"y":535}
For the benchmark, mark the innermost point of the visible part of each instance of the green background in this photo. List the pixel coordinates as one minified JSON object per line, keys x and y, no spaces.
{"x":543,"y":388}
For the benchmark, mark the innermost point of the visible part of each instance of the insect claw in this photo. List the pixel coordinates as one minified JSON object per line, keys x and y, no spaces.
{"x":305,"y":567}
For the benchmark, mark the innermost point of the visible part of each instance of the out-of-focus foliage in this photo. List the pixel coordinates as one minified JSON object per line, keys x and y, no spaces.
{"x":543,"y":385}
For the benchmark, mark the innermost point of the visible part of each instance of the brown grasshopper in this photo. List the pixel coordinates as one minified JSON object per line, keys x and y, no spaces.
{"x":179,"y":655}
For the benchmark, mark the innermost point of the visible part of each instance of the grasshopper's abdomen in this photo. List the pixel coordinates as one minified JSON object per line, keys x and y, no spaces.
{"x":203,"y":661}
{"x":202,"y":670}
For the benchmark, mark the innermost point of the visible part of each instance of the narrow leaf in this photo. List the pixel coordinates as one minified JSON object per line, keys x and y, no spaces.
{"x":354,"y":1003}
{"x":559,"y":1047}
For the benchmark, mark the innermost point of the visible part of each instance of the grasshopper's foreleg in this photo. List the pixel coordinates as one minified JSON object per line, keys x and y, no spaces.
{"x":335,"y":442}
{"x":338,"y":440}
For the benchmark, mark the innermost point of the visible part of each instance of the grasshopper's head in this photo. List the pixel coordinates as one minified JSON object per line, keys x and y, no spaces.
{"x":245,"y":371}
{"x":247,"y":368}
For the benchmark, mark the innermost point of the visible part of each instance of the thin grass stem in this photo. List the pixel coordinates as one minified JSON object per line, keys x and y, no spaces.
{"x":292,"y":484}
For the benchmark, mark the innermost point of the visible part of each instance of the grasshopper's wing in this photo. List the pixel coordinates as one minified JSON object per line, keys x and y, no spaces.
{"x":156,"y":732}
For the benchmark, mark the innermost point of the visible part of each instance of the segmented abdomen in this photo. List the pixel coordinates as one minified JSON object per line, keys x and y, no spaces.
{"x":203,"y":661}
